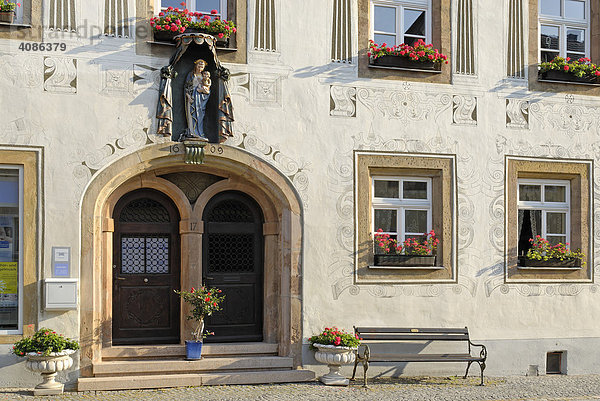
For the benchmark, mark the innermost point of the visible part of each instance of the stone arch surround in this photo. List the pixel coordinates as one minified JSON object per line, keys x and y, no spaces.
{"x":282,"y":230}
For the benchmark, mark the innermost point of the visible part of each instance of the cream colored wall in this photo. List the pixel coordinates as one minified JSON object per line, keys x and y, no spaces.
{"x":283,"y":106}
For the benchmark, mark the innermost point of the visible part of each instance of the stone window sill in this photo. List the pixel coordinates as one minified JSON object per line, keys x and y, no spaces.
{"x":16,"y":25}
{"x":549,"y":268}
{"x":408,"y":267}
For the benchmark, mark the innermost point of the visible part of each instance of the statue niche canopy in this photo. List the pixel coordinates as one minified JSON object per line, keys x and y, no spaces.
{"x":194,"y":102}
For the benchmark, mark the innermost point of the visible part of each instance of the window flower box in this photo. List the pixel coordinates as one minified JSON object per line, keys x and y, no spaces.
{"x":551,"y":262}
{"x":553,"y":75}
{"x":404,"y":260}
{"x":567,"y":70}
{"x":421,"y":56}
{"x":404,"y":62}
{"x":7,"y":16}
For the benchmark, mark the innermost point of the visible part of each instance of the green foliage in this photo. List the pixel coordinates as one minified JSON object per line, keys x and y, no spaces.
{"x":43,"y":342}
{"x":542,"y":250}
{"x":421,"y":51}
{"x":582,"y":67}
{"x":204,"y":301}
{"x":423,"y":245}
{"x":178,"y":20}
{"x":334,"y":336}
{"x":7,"y":6}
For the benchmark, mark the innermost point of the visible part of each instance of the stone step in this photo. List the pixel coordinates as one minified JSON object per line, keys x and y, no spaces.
{"x":206,"y":364}
{"x":176,"y":350}
{"x":193,"y":379}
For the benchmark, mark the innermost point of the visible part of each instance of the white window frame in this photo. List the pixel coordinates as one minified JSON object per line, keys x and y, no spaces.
{"x":563,"y":24}
{"x":191,"y":5}
{"x":19,"y":329}
{"x":548,"y":207}
{"x":421,"y":5}
{"x":401,"y":205}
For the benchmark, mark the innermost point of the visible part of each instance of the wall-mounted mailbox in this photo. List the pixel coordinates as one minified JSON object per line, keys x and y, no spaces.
{"x":61,"y":293}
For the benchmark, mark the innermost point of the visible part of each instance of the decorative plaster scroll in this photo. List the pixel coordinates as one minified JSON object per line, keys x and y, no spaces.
{"x":569,"y":118}
{"x":239,"y":85}
{"x":517,"y":113}
{"x":145,"y":77}
{"x":21,"y":131}
{"x":464,"y":110}
{"x":538,"y":290}
{"x":22,"y":71}
{"x":192,"y":184}
{"x":266,"y":90}
{"x":341,"y":36}
{"x":403,"y":105}
{"x":115,"y":81}
{"x":343,"y":101}
{"x":60,"y":75}
{"x":341,"y":181}
{"x":245,"y":138}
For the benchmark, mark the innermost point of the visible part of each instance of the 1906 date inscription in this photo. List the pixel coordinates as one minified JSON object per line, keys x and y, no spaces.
{"x":42,"y":47}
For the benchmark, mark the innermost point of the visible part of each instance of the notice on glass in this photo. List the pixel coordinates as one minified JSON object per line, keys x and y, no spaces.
{"x":9,"y":273}
{"x":7,"y":235}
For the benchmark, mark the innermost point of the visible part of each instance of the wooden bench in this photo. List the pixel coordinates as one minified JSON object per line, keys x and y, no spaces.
{"x":402,"y":334}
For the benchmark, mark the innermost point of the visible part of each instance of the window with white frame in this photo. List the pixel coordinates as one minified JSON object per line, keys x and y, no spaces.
{"x":203,"y":6}
{"x":544,"y":210}
{"x":401,"y":206}
{"x":564,"y":29}
{"x":395,"y":22}
{"x":11,"y":211}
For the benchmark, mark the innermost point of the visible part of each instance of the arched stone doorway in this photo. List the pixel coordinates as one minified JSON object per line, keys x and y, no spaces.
{"x":238,"y":171}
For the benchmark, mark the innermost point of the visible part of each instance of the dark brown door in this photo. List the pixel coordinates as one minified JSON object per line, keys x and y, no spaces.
{"x":232,"y":260}
{"x":145,"y":269}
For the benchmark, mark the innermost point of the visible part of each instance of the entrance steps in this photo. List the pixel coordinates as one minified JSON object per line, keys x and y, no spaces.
{"x":137,"y":367}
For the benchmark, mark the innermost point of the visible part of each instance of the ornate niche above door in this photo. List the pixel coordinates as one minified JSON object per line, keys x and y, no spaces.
{"x":194,"y":105}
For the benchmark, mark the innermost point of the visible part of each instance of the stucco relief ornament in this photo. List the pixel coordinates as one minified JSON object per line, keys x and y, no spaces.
{"x":206,"y":113}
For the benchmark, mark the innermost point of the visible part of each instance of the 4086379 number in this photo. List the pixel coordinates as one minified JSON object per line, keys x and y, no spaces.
{"x":42,"y":47}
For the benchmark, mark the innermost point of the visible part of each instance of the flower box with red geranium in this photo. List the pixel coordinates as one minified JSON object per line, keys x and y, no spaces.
{"x":175,"y":21}
{"x":7,"y":11}
{"x":204,"y":302}
{"x":420,"y":56}
{"x":414,"y":251}
{"x":568,"y":70}
{"x":542,"y":254}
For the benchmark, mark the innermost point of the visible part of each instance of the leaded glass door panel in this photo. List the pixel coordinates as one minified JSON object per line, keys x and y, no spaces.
{"x":145,"y":269}
{"x":232,"y":260}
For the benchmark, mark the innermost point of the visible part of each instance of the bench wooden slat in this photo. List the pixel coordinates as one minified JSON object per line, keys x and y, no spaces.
{"x":462,"y":330}
{"x":413,"y":337}
{"x":423,"y":358}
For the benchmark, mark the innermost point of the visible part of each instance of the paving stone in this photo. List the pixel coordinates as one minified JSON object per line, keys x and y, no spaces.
{"x":540,"y":388}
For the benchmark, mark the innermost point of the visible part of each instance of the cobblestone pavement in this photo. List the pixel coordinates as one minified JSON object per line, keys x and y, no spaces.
{"x":542,"y":388}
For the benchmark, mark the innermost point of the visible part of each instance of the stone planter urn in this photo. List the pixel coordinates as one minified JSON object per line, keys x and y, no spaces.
{"x":49,"y":366}
{"x":334,"y":357}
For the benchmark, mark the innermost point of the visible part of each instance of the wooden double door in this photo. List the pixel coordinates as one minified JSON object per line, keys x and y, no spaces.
{"x":146,"y":268}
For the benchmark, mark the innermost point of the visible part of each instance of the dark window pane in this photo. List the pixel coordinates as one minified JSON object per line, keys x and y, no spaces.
{"x":576,"y":40}
{"x":555,"y":239}
{"x":556,"y":223}
{"x":529,"y":225}
{"x":414,"y":190}
{"x":553,"y":193}
{"x":550,"y":37}
{"x":415,"y":221}
{"x":410,"y":40}
{"x":549,"y":56}
{"x":414,"y":22}
{"x":575,"y":56}
{"x":386,"y":220}
{"x":385,"y":19}
{"x":208,"y":5}
{"x":9,"y":249}
{"x":550,"y":7}
{"x":389,"y":40}
{"x":575,"y":9}
{"x":386,"y":189}
{"x":530,"y":192}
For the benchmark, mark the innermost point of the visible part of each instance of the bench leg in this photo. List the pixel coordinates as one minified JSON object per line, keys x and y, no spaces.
{"x":467,"y":372}
{"x":482,"y":366}
{"x":365,"y":368}
{"x":355,"y":365}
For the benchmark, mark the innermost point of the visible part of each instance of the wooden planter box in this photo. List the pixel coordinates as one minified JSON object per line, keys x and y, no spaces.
{"x":404,"y":260}
{"x":7,"y":16}
{"x":552,"y":262}
{"x":554,"y":75}
{"x":404,"y":62}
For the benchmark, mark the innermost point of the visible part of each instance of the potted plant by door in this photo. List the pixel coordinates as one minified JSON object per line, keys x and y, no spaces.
{"x":7,"y":11}
{"x":542,"y":254}
{"x":204,"y":302}
{"x":47,"y":353}
{"x":414,"y":251}
{"x":335,"y":348}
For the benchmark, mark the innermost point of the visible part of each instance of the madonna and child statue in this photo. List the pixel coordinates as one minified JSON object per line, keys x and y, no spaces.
{"x":197,"y":93}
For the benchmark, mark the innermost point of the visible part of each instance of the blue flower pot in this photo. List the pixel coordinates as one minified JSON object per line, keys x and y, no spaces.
{"x":193,"y":350}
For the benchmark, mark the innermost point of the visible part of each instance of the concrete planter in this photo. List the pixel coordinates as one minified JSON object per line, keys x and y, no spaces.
{"x":334,"y":357}
{"x":49,"y":366}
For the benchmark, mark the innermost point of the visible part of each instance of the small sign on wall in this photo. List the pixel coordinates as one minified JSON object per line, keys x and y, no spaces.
{"x":61,"y":261}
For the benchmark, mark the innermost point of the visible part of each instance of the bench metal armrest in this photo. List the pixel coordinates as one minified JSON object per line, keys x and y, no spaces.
{"x":366,"y":353}
{"x":482,"y":353}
